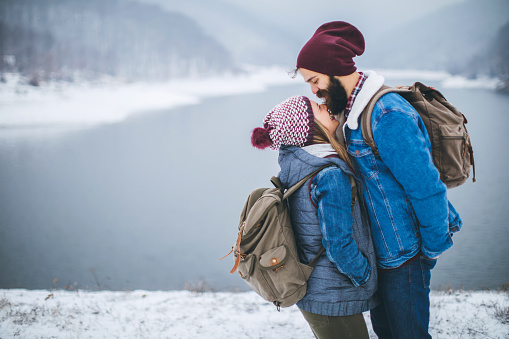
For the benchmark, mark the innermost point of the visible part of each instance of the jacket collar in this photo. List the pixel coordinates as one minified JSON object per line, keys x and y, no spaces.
{"x":296,"y":163}
{"x":370,"y":87}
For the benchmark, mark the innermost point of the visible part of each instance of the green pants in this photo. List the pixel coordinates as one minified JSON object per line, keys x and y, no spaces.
{"x":327,"y":327}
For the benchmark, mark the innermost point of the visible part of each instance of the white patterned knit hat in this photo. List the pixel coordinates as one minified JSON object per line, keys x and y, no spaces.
{"x":289,"y":123}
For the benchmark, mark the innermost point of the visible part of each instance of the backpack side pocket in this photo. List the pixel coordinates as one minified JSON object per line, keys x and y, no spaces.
{"x":454,"y":153}
{"x":287,"y":275}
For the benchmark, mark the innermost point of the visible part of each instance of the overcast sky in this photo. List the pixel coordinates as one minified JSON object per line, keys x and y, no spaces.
{"x":265,"y":29}
{"x":306,"y":16}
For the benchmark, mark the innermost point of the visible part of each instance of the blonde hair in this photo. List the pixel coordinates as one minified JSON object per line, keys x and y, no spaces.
{"x":323,"y":136}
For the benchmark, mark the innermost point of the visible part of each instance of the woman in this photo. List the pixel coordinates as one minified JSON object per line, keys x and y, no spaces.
{"x":343,"y":283}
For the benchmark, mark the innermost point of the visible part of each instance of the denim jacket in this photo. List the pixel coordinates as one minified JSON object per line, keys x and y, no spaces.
{"x":344,"y":280}
{"x":407,"y":202}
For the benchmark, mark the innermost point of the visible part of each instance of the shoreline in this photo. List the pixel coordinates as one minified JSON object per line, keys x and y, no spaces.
{"x":85,"y":104}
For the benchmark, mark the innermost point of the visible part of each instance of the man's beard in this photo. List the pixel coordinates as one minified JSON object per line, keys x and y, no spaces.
{"x":335,"y":96}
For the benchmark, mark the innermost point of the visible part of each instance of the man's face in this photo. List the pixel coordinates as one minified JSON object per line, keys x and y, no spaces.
{"x":328,"y":88}
{"x":317,"y":81}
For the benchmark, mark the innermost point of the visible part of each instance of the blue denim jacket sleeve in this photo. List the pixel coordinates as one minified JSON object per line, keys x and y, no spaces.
{"x":455,"y":221}
{"x":331,"y":192}
{"x":404,"y":147}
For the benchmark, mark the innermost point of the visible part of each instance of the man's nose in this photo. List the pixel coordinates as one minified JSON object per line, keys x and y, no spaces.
{"x":314,"y":89}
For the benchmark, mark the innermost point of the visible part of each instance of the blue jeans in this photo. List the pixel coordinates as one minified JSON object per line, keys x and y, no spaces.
{"x":404,"y":291}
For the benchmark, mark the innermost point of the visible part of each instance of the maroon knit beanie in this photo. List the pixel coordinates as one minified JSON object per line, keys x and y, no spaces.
{"x":289,"y":123}
{"x":331,"y":49}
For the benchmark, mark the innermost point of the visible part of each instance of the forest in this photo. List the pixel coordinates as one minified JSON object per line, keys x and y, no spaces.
{"x":68,"y":39}
{"x":494,"y":61}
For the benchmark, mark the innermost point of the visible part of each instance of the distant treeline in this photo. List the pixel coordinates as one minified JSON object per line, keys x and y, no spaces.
{"x":494,"y":61}
{"x":59,"y":39}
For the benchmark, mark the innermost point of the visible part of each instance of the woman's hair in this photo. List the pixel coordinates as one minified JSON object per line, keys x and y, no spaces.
{"x":323,"y":136}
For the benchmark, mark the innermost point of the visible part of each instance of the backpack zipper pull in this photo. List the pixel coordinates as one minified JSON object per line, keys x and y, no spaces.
{"x":278,"y":305}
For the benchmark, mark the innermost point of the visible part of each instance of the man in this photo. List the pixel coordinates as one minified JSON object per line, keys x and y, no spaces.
{"x":411,"y":218}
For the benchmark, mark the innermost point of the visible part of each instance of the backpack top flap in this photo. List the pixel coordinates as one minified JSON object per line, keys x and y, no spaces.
{"x":433,"y":108}
{"x":257,"y":212}
{"x":250,"y":201}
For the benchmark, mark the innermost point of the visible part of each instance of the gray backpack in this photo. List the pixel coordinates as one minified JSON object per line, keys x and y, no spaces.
{"x":265,"y":252}
{"x":452,"y":151}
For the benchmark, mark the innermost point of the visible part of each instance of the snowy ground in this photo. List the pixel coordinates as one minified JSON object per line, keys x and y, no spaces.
{"x":186,"y":314}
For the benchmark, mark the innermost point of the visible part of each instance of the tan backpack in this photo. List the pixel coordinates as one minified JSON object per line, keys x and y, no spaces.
{"x":265,"y":251}
{"x":451,"y":148}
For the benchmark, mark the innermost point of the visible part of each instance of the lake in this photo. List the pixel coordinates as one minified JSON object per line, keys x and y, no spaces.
{"x":153,"y":202}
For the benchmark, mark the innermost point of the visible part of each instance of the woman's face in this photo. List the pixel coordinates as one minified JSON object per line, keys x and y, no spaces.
{"x":321,"y":114}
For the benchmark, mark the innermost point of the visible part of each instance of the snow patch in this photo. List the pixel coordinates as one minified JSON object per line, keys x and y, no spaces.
{"x":111,"y":101}
{"x":413,"y":74}
{"x":462,"y":82}
{"x":60,"y":104}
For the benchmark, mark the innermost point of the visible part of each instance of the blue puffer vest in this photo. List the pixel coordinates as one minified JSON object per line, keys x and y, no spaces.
{"x":330,"y":292}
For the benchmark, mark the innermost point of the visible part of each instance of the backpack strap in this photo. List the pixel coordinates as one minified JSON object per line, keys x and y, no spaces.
{"x":313,"y":262}
{"x":301,"y":182}
{"x":277,"y":182}
{"x":237,"y":246}
{"x":367,"y":133}
{"x":353,"y":184}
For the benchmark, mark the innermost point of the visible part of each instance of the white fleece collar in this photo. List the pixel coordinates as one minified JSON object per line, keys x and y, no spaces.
{"x":370,"y":87}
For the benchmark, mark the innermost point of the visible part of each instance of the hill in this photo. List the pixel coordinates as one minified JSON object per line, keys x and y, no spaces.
{"x":58,"y":39}
{"x":444,"y":40}
{"x":249,"y":37}
{"x":492,"y":61}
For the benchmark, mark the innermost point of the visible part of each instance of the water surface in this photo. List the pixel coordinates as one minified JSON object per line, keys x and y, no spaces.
{"x":153,"y":202}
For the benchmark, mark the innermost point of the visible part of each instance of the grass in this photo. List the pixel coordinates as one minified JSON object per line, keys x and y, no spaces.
{"x":501,"y":313}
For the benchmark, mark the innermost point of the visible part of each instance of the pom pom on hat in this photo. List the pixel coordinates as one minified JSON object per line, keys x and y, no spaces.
{"x":331,"y":49}
{"x":261,"y":138}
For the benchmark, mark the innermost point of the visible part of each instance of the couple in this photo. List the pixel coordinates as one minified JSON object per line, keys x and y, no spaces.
{"x":379,"y":253}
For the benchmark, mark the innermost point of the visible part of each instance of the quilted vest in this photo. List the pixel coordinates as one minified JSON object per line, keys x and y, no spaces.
{"x":342,"y":297}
